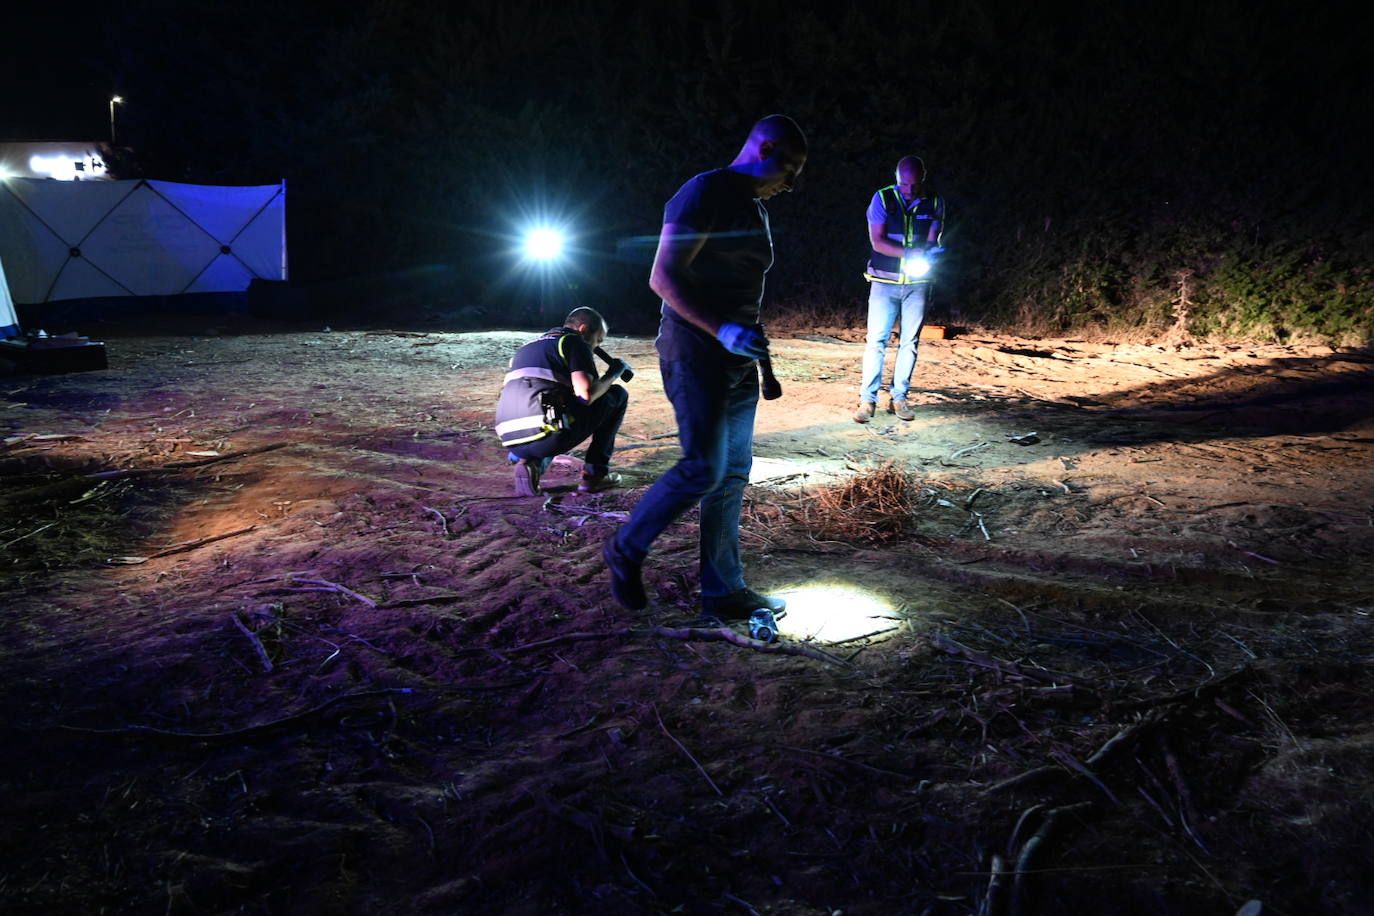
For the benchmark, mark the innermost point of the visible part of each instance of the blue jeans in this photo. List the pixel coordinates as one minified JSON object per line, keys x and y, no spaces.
{"x":715,"y":407}
{"x":600,"y":420}
{"x":886,"y":303}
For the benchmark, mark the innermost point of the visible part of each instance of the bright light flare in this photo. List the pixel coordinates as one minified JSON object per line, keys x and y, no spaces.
{"x":916,"y":266}
{"x":833,"y":612}
{"x":543,"y":244}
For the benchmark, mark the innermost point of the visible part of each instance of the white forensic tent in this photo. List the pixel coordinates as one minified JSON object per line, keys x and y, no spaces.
{"x":90,"y":239}
{"x":9,"y":322}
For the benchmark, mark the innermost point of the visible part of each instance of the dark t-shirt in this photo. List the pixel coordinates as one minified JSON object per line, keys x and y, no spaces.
{"x":730,"y":266}
{"x":543,"y":353}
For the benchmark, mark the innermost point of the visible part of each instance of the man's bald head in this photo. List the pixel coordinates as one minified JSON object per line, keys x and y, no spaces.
{"x":911,"y":172}
{"x":913,"y":164}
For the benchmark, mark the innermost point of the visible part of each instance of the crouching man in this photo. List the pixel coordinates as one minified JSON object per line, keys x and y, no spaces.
{"x":553,"y":400}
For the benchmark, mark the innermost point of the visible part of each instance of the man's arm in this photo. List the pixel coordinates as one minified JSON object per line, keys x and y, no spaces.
{"x":877,"y":237}
{"x":588,"y":388}
{"x":671,"y":277}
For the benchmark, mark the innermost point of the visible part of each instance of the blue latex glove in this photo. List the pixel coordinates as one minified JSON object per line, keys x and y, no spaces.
{"x":742,"y":340}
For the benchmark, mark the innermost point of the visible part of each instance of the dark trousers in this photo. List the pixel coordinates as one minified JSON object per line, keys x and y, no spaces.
{"x":600,"y":420}
{"x":715,"y":408}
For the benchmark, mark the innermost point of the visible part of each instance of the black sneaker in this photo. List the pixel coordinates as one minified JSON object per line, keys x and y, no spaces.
{"x":595,"y":483}
{"x":740,"y":604}
{"x":626,"y":584}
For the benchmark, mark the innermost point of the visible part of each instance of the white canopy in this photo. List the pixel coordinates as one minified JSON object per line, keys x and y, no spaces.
{"x":86,"y":239}
{"x":9,"y":322}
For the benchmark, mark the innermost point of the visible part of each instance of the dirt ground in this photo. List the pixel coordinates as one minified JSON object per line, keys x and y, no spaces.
{"x":277,"y":639}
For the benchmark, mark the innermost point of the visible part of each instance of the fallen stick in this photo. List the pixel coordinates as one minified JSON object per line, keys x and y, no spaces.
{"x":984,"y":660}
{"x":703,"y":634}
{"x":253,"y":638}
{"x":29,"y":535}
{"x":824,"y":756}
{"x":236,"y":734}
{"x":964,"y":451}
{"x":682,"y":747}
{"x":442,"y":521}
{"x":1029,"y":851}
{"x":183,"y":465}
{"x":318,"y":585}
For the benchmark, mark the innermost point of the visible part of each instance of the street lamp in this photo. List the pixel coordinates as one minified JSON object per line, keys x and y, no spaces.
{"x":114,"y":100}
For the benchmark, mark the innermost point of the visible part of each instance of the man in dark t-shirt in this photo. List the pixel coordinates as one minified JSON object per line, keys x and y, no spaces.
{"x":552,"y":400}
{"x":713,"y":252}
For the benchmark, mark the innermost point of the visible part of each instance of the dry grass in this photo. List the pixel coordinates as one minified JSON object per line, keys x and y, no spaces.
{"x":874,"y":505}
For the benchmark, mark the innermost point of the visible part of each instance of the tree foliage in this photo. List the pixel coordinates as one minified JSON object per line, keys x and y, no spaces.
{"x":1087,"y":153}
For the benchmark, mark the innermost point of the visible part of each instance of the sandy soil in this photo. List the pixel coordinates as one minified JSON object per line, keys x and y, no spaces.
{"x":277,"y":639}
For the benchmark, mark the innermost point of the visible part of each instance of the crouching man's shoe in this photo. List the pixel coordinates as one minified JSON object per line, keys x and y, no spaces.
{"x":627,"y":584}
{"x":740,"y":604}
{"x":864,"y":412}
{"x":595,"y":483}
{"x":903,"y":410}
{"x":527,"y":474}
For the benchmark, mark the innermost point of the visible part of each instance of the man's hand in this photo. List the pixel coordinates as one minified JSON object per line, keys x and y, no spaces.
{"x":742,"y":340}
{"x":616,"y":368}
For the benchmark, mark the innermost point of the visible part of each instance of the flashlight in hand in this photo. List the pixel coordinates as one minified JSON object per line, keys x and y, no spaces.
{"x":625,"y":374}
{"x":769,"y":385}
{"x":917,"y":264}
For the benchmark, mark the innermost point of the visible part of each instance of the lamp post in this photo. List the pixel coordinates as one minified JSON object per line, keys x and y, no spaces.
{"x":114,"y":100}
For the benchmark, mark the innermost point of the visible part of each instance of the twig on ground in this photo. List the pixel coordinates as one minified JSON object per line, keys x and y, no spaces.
{"x":443,"y":522}
{"x":237,"y":734}
{"x":29,"y":535}
{"x":682,"y":747}
{"x":964,"y":451}
{"x":1029,"y":851}
{"x":253,"y":638}
{"x":184,"y":465}
{"x":984,"y":660}
{"x":704,"y":634}
{"x":824,"y":756}
{"x":317,"y":585}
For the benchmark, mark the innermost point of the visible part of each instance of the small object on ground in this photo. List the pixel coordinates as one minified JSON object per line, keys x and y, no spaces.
{"x":1026,"y":439}
{"x":864,"y":413}
{"x":595,"y":483}
{"x":526,"y":477}
{"x":739,"y":604}
{"x":902,"y":410}
{"x":932,"y":332}
{"x":626,"y":585}
{"x":763,"y":626}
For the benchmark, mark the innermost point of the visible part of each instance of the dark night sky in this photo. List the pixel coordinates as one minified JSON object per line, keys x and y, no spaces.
{"x":1098,"y":115}
{"x":56,"y":86}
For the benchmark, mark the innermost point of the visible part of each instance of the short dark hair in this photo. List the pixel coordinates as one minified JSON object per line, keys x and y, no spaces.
{"x":585,"y":317}
{"x":780,"y":129}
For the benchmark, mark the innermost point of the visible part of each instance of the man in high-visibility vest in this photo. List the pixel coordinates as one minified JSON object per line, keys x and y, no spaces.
{"x":904,"y":222}
{"x":553,"y":400}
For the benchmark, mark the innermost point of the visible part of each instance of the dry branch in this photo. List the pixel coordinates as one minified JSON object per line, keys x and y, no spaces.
{"x":238,"y":734}
{"x":682,"y":747}
{"x":257,"y":643}
{"x":703,"y":634}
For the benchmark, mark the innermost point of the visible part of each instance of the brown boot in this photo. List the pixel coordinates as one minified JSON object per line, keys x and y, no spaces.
{"x":864,"y":413}
{"x":902,"y":411}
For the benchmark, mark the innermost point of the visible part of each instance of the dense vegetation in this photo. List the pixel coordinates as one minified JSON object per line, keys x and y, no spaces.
{"x":1115,"y":167}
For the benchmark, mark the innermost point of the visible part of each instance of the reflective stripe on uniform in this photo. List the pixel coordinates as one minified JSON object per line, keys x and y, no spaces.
{"x":520,"y":424}
{"x":539,"y":372}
